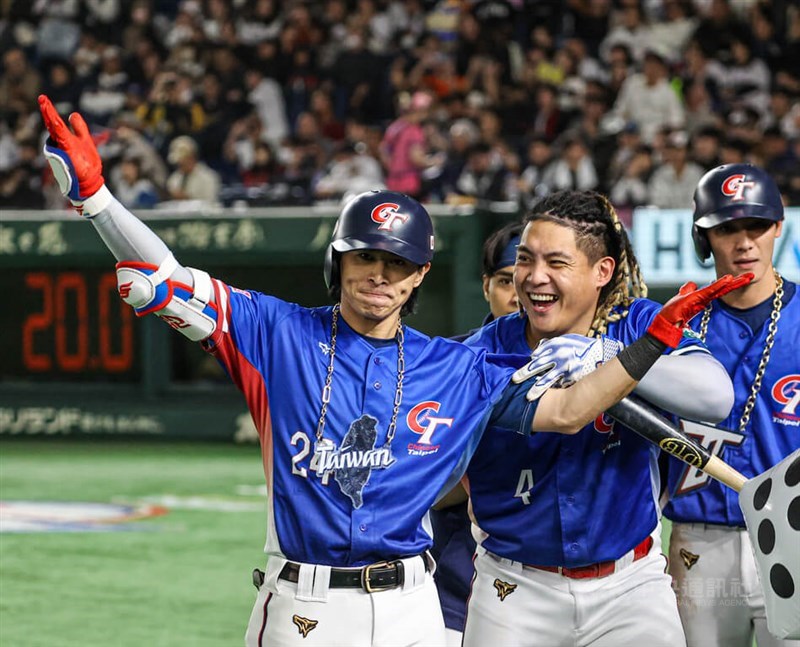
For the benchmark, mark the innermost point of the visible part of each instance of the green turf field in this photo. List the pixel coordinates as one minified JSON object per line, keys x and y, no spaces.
{"x":183,"y":580}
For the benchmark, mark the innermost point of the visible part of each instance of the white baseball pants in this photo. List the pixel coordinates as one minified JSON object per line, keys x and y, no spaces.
{"x":309,"y":613}
{"x":720,"y":599}
{"x":634,"y":606}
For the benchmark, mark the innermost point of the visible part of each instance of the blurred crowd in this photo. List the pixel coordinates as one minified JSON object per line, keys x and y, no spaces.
{"x":196,"y":103}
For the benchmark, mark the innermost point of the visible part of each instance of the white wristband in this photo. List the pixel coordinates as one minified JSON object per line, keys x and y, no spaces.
{"x":94,"y":204}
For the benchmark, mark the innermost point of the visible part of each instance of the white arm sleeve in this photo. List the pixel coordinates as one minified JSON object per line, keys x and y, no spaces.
{"x":691,"y":385}
{"x":129,"y":239}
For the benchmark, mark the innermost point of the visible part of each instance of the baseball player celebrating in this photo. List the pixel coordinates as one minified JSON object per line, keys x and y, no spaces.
{"x":738,"y":216}
{"x":362,"y":421}
{"x":570,"y":551}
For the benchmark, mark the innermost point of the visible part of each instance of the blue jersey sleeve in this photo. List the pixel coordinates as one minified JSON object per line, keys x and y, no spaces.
{"x":513,"y":412}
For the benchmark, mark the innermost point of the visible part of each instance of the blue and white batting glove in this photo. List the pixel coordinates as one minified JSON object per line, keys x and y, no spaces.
{"x":563,"y":360}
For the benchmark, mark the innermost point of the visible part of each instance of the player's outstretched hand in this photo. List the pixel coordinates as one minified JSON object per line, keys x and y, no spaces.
{"x":73,"y":156}
{"x":676,"y":314}
{"x":560,"y":361}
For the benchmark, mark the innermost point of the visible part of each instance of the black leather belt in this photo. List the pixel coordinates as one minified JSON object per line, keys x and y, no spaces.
{"x":380,"y":576}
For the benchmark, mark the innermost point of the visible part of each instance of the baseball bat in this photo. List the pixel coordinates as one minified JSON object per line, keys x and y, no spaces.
{"x":648,"y":423}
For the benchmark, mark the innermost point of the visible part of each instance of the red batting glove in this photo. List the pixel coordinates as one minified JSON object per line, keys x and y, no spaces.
{"x":73,"y":157}
{"x":669,"y":323}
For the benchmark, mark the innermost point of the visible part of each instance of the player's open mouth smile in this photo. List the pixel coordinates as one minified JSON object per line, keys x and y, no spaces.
{"x":541,"y":302}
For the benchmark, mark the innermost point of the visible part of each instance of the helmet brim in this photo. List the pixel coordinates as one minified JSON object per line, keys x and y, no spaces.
{"x":385,"y":244}
{"x":736,"y":212}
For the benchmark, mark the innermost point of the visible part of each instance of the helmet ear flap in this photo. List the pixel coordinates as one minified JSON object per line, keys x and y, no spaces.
{"x":331,"y":268}
{"x":701,"y":245}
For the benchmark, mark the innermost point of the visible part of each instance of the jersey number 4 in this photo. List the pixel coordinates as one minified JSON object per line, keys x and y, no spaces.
{"x":712,"y":438}
{"x":524,"y":486}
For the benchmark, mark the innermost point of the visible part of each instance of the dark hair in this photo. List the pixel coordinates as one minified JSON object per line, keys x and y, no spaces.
{"x":495,"y":244}
{"x":335,"y":290}
{"x":598,"y":233}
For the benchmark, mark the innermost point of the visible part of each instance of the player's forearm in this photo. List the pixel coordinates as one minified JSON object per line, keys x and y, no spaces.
{"x":567,"y":410}
{"x":694,"y":386}
{"x":129,"y":239}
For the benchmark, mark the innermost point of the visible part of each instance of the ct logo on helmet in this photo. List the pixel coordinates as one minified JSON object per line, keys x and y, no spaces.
{"x":786,"y":391}
{"x":735,"y":185}
{"x":385,"y":214}
{"x":420,"y":421}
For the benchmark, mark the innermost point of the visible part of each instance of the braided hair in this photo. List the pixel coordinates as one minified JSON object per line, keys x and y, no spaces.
{"x":598,"y":233}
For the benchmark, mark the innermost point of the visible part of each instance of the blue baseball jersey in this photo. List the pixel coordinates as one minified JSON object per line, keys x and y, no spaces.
{"x":566,"y":500}
{"x":773,"y":431}
{"x":353,"y":499}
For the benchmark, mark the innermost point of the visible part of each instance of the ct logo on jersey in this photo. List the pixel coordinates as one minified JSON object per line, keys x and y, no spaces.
{"x":734,"y":187}
{"x":786,"y":392}
{"x":421,"y":421}
{"x":712,"y":438}
{"x":386,"y":216}
{"x":604,"y":424}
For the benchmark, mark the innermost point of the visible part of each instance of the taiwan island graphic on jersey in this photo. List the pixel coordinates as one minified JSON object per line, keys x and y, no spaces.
{"x":353,"y":462}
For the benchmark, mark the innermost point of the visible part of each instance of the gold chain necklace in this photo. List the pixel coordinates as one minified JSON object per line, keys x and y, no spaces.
{"x":326,"y":390}
{"x":777,"y":302}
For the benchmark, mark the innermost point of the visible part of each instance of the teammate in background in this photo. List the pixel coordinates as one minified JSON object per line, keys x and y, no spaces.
{"x":353,"y":409}
{"x":738,"y":216}
{"x":571,"y":546}
{"x":453,"y":544}
{"x":497,"y":261}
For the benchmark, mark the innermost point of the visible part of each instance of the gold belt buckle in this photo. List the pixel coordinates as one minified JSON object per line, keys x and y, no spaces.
{"x":365,"y":584}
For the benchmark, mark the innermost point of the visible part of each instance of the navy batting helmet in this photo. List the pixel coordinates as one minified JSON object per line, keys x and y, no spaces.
{"x":730,"y":192}
{"x":384,"y":220}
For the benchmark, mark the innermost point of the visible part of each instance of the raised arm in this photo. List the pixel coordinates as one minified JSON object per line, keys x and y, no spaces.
{"x":567,"y":410}
{"x":148,"y":276}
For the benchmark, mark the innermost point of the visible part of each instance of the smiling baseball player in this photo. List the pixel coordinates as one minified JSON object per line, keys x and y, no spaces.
{"x":362,"y":420}
{"x":570,"y":551}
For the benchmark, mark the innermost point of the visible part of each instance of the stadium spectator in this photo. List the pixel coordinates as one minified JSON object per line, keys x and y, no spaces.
{"x":574,"y":169}
{"x":21,"y":181}
{"x":631,"y":189}
{"x":733,"y":151}
{"x":321,"y":106}
{"x":531,"y":182}
{"x":192,"y":179}
{"x":629,"y":28}
{"x":105,"y":96}
{"x":60,"y":85}
{"x":349,"y":174}
{"x":403,"y":147}
{"x":705,"y":145}
{"x":673,"y":183}
{"x":20,"y":82}
{"x":265,"y":169}
{"x":484,"y":178}
{"x":548,"y":121}
{"x":672,"y":33}
{"x":628,"y":143}
{"x":716,"y":29}
{"x":265,"y":95}
{"x":131,"y":189}
{"x":463,"y":134}
{"x":743,"y":79}
{"x":648,"y":99}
